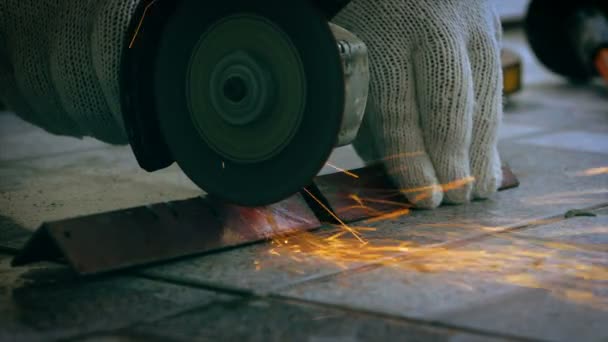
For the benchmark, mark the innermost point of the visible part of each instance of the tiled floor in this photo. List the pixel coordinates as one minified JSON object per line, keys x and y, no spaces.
{"x":512,"y":267}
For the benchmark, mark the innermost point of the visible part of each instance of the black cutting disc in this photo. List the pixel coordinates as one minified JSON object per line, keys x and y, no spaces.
{"x":249,"y":95}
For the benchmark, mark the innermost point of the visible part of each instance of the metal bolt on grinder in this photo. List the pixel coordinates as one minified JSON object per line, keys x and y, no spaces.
{"x":248,"y":97}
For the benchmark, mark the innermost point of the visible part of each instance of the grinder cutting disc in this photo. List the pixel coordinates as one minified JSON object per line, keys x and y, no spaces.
{"x":250,"y":96}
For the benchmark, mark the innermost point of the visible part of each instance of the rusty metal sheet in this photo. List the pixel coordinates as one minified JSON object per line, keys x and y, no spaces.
{"x":149,"y":234}
{"x":367,"y":192}
{"x":160,"y":232}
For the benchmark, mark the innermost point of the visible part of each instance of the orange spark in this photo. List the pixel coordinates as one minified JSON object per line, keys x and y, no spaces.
{"x":404,"y":155}
{"x":342,"y":170}
{"x":389,"y":216}
{"x":510,"y":259}
{"x":425,"y":191}
{"x":357,"y":199}
{"x":344,"y":225}
{"x":380,"y":201}
{"x":594,"y":171}
{"x":504,"y":257}
{"x":141,"y":21}
{"x":459,"y":183}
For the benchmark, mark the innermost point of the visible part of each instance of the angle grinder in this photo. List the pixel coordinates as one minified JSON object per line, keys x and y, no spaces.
{"x":249,"y":98}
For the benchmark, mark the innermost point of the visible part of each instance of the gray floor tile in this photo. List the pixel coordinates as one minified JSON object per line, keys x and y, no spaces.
{"x":579,"y":141}
{"x":589,"y":232}
{"x":123,"y":336}
{"x":509,"y":131}
{"x":272,"y":320}
{"x":561,"y":107}
{"x":21,"y":140}
{"x":536,"y":314}
{"x":48,"y":302}
{"x":509,"y":283}
{"x":59,"y":187}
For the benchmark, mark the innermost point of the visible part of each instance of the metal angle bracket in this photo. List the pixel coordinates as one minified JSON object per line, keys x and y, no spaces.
{"x":161,"y":232}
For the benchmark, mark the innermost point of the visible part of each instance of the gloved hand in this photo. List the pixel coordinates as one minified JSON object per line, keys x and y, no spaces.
{"x":435,"y":95}
{"x":59,"y":64}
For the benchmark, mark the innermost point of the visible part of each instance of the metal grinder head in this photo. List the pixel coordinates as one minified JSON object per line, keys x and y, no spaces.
{"x":248,"y":97}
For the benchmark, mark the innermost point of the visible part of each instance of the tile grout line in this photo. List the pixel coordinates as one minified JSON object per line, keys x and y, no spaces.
{"x":200,"y":285}
{"x":411,"y":320}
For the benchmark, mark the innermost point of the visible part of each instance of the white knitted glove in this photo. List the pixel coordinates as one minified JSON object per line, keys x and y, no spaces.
{"x":436,"y":95}
{"x":59,"y":64}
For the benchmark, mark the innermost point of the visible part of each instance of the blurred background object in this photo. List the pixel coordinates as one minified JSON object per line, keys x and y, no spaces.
{"x":570,"y":37}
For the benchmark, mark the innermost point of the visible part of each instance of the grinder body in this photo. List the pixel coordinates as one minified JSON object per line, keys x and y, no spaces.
{"x":248,"y":97}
